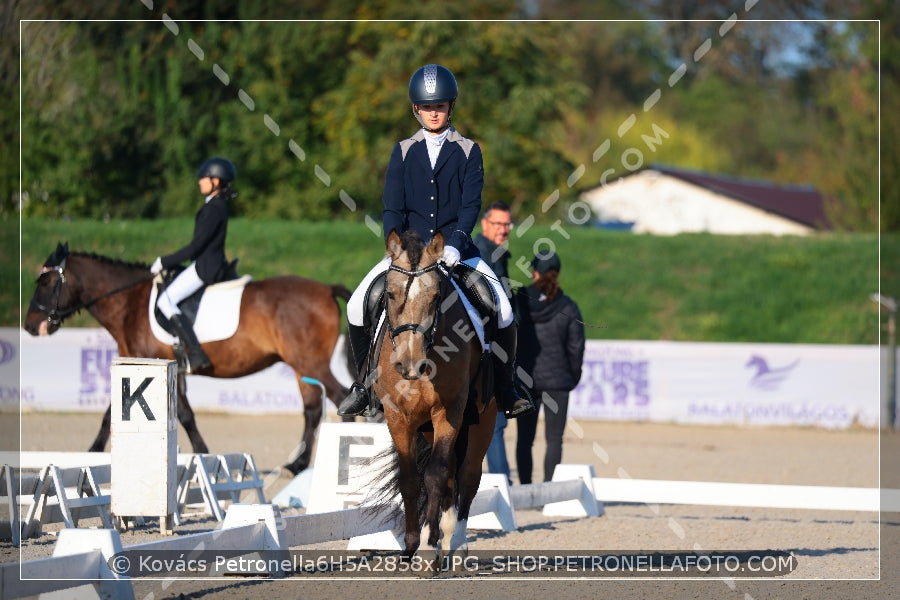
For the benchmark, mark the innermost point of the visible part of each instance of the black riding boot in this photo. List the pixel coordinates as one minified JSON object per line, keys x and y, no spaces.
{"x":198,"y":362}
{"x":357,"y":401}
{"x":505,"y":389}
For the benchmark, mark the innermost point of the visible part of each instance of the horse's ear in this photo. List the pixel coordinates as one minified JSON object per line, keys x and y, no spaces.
{"x":436,"y":247}
{"x":57,"y":256}
{"x":393,"y":245}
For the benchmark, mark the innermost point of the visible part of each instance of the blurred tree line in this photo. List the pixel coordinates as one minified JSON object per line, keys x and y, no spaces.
{"x":119,"y":107}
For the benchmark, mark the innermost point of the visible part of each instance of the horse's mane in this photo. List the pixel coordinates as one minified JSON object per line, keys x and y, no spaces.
{"x":110,"y":261}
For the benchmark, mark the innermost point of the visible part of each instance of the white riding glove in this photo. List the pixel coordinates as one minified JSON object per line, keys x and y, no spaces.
{"x":450,"y":257}
{"x":156,"y":267}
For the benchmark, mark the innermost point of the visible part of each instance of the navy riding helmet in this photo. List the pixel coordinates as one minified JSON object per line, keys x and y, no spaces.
{"x":217,"y":167}
{"x":432,"y":84}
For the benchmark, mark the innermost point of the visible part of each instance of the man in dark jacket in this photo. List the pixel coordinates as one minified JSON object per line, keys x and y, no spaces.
{"x":496,"y":223}
{"x":551,"y":350}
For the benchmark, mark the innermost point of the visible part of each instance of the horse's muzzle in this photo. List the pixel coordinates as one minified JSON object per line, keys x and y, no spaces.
{"x":413,"y":371}
{"x":39,"y":327}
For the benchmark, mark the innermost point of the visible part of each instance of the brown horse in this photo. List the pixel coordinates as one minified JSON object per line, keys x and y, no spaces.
{"x":290,"y":319}
{"x":430,"y":383}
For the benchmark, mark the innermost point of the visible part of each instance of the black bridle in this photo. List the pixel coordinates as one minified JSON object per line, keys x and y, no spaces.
{"x":55,"y":314}
{"x":428,"y":332}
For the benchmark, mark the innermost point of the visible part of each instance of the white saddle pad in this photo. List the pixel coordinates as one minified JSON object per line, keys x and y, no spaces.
{"x":217,"y":316}
{"x":474,"y":317}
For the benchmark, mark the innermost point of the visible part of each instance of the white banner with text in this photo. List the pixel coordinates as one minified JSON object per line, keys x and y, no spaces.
{"x":831,"y":386}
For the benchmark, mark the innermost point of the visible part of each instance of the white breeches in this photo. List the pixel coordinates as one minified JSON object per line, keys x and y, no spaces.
{"x":355,"y":306}
{"x":183,"y":286}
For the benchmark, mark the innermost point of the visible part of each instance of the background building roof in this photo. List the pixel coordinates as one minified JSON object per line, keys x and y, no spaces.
{"x":802,"y":204}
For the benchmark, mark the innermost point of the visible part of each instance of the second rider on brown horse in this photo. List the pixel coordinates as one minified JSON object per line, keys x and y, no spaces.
{"x":206,"y":253}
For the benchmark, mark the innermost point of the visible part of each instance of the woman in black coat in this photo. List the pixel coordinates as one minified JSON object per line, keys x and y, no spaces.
{"x":551,"y":350}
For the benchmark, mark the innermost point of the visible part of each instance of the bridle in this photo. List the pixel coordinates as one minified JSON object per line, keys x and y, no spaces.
{"x":56,"y":315}
{"x":427,"y":332}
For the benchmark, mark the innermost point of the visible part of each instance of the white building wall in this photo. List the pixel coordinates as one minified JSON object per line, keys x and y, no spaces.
{"x":665,"y":205}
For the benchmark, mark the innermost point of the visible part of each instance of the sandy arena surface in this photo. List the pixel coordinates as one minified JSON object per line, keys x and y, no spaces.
{"x":838,"y":554}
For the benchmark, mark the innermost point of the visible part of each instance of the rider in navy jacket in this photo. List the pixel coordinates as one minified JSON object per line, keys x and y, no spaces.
{"x":433,"y":183}
{"x":446,"y":198}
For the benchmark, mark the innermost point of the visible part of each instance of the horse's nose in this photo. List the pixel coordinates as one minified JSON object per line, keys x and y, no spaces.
{"x":424,"y":368}
{"x":407,"y":371}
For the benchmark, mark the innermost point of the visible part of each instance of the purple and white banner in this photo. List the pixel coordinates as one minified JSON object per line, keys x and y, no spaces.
{"x":717,"y":383}
{"x":828,"y":386}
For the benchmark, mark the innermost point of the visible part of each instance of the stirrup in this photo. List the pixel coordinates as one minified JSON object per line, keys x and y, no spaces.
{"x":521,"y":407}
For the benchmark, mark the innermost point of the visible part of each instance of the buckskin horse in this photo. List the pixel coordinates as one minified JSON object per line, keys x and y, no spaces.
{"x":429,"y":381}
{"x":288,"y":318}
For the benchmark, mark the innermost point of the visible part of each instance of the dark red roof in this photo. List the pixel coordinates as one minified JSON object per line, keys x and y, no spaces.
{"x":802,"y":204}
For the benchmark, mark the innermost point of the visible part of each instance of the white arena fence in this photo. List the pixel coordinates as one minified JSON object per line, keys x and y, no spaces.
{"x":830,"y":386}
{"x":62,"y":487}
{"x":81,"y":556}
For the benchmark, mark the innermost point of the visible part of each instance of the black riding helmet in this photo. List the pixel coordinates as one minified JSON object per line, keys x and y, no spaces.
{"x":217,"y":167}
{"x":432,"y":84}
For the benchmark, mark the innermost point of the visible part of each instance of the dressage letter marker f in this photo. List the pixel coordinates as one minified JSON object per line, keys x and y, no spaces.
{"x":345,"y":461}
{"x":128,"y":398}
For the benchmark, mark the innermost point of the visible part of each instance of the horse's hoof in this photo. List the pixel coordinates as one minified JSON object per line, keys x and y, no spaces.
{"x":294,"y":470}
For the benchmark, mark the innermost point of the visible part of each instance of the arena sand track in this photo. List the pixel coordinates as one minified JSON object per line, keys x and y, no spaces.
{"x":838,"y":553}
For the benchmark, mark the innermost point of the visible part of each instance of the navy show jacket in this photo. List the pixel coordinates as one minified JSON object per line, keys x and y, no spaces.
{"x":207,"y":247}
{"x":446,"y":198}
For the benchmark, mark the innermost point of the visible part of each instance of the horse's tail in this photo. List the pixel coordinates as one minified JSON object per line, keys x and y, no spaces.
{"x":386,"y":482}
{"x":340,"y":291}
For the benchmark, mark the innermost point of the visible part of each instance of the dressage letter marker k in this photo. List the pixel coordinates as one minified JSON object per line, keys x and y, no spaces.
{"x":128,"y":398}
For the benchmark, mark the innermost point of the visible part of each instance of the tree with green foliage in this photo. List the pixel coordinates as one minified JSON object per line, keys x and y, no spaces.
{"x":116,"y":115}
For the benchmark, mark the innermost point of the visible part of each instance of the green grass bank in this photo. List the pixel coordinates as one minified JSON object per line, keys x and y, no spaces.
{"x":694,"y":287}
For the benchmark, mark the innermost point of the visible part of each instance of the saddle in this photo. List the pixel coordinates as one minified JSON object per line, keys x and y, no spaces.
{"x":189,"y":305}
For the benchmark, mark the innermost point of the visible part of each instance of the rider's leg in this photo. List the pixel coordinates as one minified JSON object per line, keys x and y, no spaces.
{"x":509,"y":399}
{"x":503,"y":350}
{"x":358,"y":399}
{"x":181,"y":287}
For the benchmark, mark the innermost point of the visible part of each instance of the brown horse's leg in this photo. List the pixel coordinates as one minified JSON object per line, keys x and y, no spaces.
{"x":437,"y":479}
{"x":408,"y":479}
{"x":312,"y":416}
{"x":186,"y":417}
{"x":469,"y":478}
{"x":103,"y":435}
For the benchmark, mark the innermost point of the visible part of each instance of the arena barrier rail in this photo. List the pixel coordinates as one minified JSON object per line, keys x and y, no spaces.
{"x":63,"y":487}
{"x":81,"y":555}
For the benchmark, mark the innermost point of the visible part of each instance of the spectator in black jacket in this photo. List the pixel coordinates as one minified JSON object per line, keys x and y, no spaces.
{"x":551,"y":350}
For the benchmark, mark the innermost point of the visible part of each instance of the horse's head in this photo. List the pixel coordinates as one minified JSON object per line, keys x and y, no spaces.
{"x":71,"y":281}
{"x":413,"y":292}
{"x":52,"y":296}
